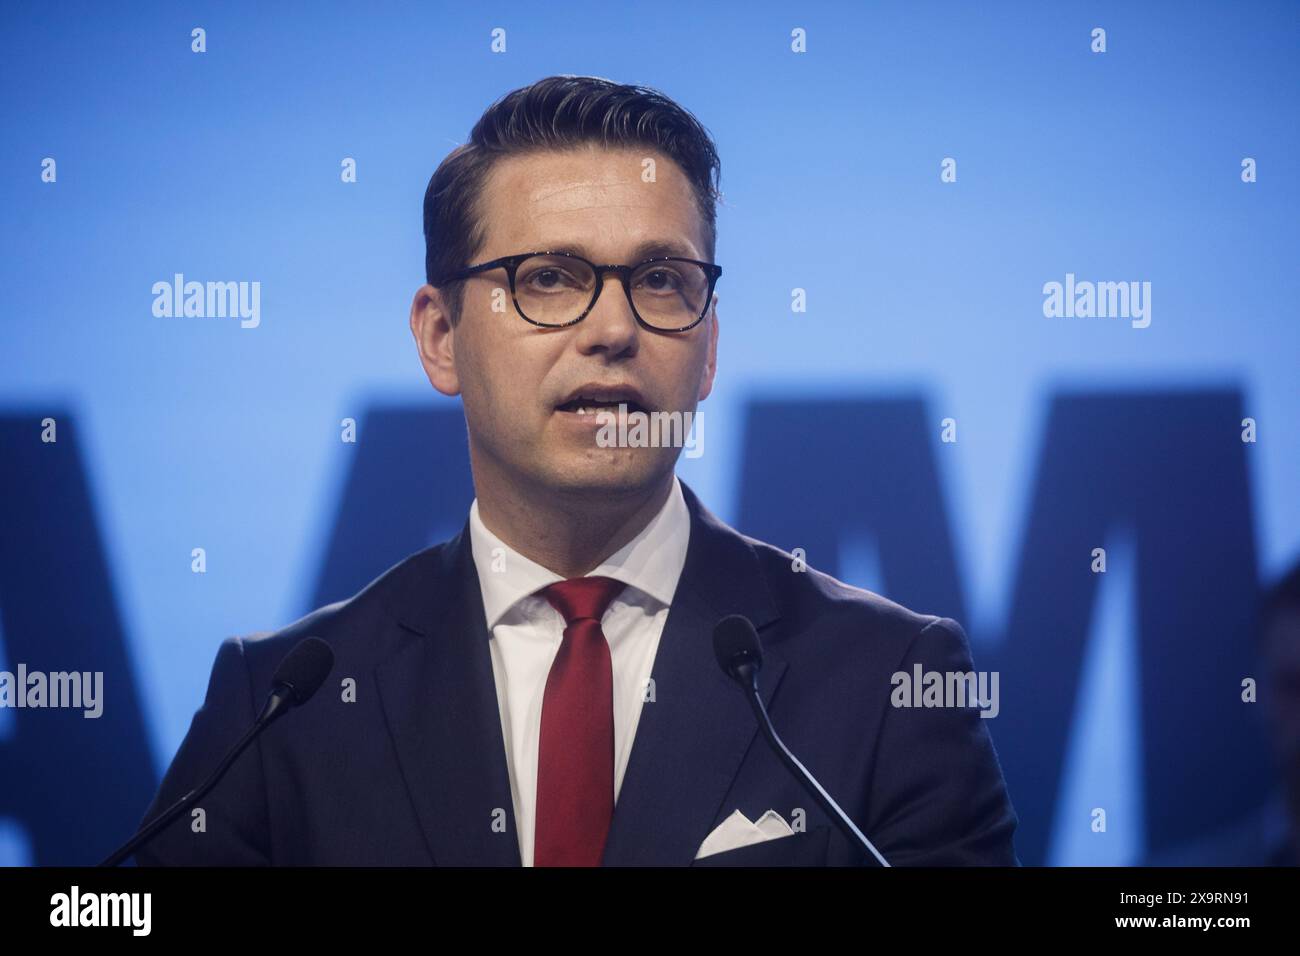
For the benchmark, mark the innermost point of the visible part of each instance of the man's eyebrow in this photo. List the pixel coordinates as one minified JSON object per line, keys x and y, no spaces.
{"x":649,"y":249}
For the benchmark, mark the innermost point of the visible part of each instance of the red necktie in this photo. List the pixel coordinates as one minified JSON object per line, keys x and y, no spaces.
{"x":575,"y":756}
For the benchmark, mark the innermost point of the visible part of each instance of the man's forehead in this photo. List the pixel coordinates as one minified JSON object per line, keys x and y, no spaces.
{"x":550,"y":196}
{"x":588,"y":163}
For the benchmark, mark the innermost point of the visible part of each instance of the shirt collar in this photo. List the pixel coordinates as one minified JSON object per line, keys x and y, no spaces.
{"x":651,"y":562}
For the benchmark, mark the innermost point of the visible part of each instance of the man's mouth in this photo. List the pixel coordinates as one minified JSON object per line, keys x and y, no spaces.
{"x":590,"y":401}
{"x":586,"y":406}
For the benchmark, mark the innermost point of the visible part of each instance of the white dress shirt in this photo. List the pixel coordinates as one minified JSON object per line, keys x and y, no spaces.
{"x":526,"y":634}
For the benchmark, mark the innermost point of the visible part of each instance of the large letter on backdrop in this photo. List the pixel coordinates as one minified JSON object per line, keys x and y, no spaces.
{"x":1167,"y":467}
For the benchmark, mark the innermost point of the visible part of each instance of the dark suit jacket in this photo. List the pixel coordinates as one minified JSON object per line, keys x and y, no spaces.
{"x":413,"y":772}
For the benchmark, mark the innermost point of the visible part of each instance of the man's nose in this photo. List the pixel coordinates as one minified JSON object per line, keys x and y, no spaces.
{"x":611,"y":325}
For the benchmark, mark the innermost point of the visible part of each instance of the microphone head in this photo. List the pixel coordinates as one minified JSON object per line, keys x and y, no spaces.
{"x":304,"y":668}
{"x":736,"y":645}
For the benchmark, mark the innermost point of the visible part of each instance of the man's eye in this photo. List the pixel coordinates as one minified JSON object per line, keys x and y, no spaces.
{"x":548,"y":279}
{"x":661,"y":280}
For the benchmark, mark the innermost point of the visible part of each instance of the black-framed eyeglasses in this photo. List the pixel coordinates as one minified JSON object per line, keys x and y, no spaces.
{"x":556,"y":289}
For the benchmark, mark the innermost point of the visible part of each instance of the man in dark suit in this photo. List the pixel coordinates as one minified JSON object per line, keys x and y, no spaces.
{"x":541,"y":689}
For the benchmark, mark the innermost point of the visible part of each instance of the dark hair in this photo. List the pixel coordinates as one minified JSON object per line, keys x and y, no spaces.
{"x":558,"y":112}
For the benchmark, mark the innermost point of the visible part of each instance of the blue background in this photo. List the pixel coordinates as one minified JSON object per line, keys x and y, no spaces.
{"x":924,"y":302}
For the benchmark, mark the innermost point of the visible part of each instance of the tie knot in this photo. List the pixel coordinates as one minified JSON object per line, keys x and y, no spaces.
{"x":579,"y":598}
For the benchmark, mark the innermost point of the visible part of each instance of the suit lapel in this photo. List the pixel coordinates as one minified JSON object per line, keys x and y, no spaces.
{"x":440,"y":701}
{"x":691,"y":739}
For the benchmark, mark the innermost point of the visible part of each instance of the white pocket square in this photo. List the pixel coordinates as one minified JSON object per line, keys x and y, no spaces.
{"x":737,"y":831}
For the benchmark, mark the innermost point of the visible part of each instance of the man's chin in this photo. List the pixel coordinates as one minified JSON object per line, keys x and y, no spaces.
{"x":609,"y":471}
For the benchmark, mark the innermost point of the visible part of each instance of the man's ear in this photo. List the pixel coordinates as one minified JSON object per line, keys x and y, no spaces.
{"x":436,"y":339}
{"x":710,"y":363}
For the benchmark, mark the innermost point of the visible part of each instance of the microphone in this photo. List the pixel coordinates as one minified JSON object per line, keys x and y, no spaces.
{"x":740,"y":655}
{"x":299,"y":675}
